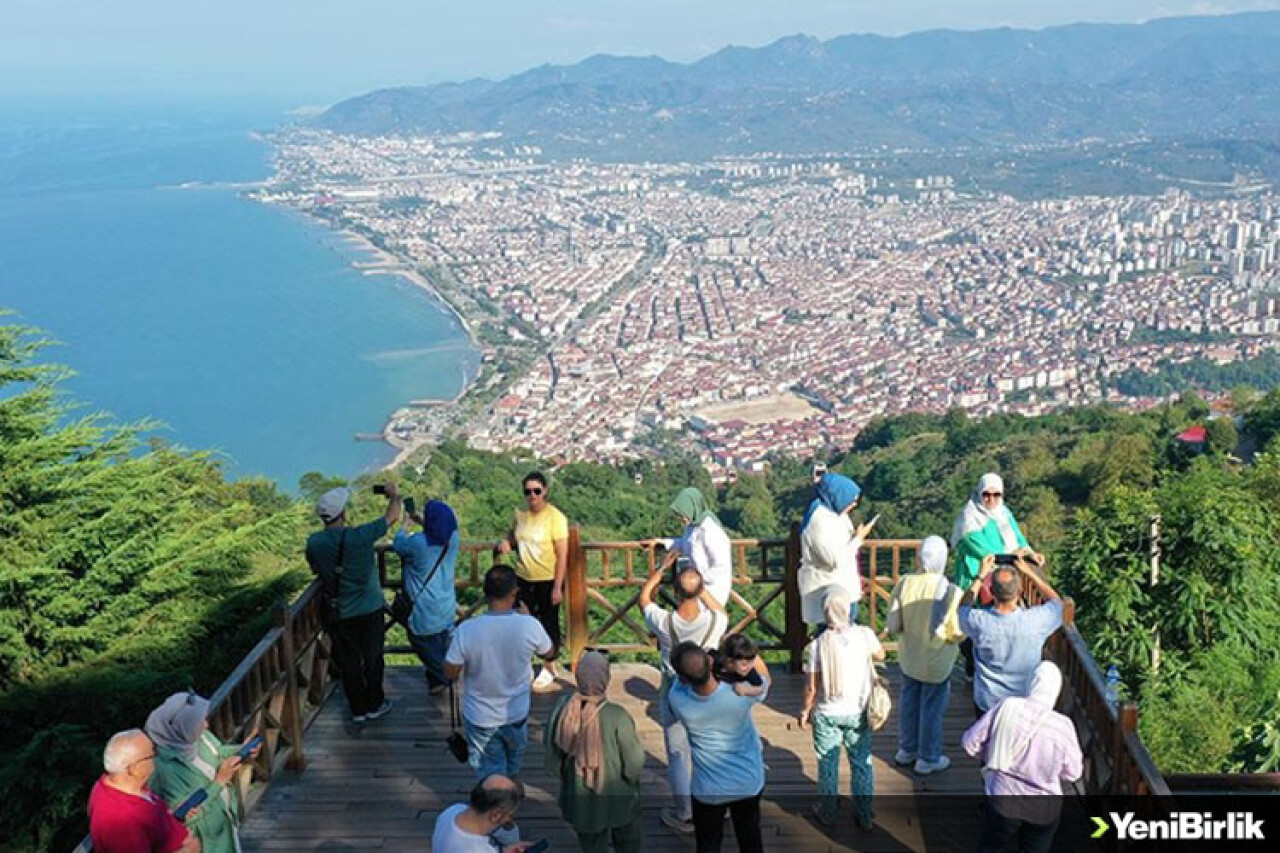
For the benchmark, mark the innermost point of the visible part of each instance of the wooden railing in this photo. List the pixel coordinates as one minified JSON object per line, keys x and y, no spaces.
{"x":281,"y":684}
{"x":1116,"y":760}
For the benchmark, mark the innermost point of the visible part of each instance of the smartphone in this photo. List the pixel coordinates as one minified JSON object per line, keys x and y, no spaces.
{"x":249,"y":747}
{"x":541,"y":847}
{"x":1006,"y":559}
{"x":874,"y":519}
{"x":410,"y":506}
{"x":380,"y":489}
{"x":190,"y":803}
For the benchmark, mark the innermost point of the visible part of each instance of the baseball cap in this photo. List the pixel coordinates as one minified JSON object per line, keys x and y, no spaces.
{"x":332,"y":503}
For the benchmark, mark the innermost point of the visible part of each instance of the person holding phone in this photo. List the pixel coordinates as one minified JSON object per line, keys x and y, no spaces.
{"x":125,"y":815}
{"x":704,"y":543}
{"x":829,"y":545}
{"x":189,"y":758}
{"x":476,"y":826}
{"x":428,"y":559}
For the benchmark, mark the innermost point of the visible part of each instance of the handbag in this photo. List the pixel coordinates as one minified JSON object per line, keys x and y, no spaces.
{"x":456,"y":743}
{"x":402,"y":603}
{"x":330,"y":608}
{"x":879,"y":704}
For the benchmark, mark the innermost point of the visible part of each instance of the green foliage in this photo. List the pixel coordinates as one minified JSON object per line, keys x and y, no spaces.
{"x":126,"y":572}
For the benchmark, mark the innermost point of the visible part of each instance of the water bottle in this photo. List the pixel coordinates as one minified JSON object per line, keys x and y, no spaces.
{"x":1113,"y":685}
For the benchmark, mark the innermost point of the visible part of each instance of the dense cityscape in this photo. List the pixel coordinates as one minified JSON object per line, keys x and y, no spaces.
{"x":747,"y":306}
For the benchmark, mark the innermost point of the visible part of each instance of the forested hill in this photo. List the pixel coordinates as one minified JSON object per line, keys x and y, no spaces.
{"x":1200,"y":76}
{"x":129,"y":569}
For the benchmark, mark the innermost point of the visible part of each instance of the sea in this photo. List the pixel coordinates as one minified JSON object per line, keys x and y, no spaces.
{"x":242,"y":328}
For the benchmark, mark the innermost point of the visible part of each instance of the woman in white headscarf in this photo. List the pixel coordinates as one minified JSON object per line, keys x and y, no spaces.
{"x":923,"y":609}
{"x":1027,"y":749}
{"x":839,"y":667}
{"x":190,"y":758}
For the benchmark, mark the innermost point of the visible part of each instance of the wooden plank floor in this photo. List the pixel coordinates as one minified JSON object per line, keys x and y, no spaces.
{"x":380,"y":788}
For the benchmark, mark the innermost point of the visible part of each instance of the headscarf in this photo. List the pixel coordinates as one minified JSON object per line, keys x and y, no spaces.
{"x":835,"y":492}
{"x":692,"y":505}
{"x":578,"y":733}
{"x":438,"y":523}
{"x":835,"y":609}
{"x":177,"y":723}
{"x":933,"y":561}
{"x":975,"y":516}
{"x":1009,"y":743}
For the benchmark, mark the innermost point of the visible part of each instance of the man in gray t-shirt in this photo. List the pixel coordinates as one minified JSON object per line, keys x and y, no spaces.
{"x":1008,"y":640}
{"x":700,"y":619}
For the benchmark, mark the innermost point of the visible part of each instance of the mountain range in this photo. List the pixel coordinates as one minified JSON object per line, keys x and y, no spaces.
{"x":1195,"y":76}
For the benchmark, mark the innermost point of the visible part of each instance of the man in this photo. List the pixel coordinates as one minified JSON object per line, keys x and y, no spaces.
{"x":344,"y":556}
{"x":699,"y":618}
{"x":494,"y":650}
{"x":469,"y":828}
{"x":1007,"y":640}
{"x":428,"y":559}
{"x":540,"y":535}
{"x":728,"y":760}
{"x":124,"y":816}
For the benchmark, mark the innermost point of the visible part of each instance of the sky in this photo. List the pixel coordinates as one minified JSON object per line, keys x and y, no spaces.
{"x":319,"y":51}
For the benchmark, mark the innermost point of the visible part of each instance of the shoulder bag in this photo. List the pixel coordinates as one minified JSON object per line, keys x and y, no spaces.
{"x":879,"y":704}
{"x":402,"y":604}
{"x":330,"y":609}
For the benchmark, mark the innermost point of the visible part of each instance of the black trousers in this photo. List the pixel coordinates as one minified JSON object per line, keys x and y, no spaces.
{"x":536,"y":595}
{"x":997,"y":830}
{"x":357,"y":646}
{"x":708,"y":825}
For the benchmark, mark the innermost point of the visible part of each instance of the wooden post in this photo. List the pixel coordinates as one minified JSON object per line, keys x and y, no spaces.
{"x":576,"y":592}
{"x":1126,"y":721}
{"x":292,"y":716}
{"x":794,"y":629}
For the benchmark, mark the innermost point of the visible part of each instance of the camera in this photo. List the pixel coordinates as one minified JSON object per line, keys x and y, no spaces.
{"x":410,"y":506}
{"x":1006,"y":559}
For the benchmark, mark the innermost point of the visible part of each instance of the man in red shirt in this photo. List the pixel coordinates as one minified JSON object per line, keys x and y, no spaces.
{"x":124,"y":816}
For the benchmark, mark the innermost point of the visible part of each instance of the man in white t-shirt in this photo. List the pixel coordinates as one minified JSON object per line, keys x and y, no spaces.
{"x":469,"y":828}
{"x":493,"y":652}
{"x":700,"y":619}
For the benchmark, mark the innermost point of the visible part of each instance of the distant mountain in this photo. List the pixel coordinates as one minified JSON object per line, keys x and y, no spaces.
{"x":1214,"y":76}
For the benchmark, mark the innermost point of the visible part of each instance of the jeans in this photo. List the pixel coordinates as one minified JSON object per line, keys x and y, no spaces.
{"x":852,"y":733}
{"x":998,"y":829}
{"x":628,"y":838}
{"x":496,"y":750}
{"x":920,"y":711}
{"x":357,"y":646}
{"x":679,"y":755}
{"x":431,"y":649}
{"x":708,"y":825}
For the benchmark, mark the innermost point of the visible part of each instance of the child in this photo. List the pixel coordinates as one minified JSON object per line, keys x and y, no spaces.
{"x":736,"y":664}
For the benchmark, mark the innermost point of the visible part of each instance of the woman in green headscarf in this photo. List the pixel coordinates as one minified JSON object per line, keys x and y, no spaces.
{"x":704,"y":543}
{"x":190,"y":758}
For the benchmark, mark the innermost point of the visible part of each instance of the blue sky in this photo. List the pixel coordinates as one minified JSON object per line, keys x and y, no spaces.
{"x":322,"y":50}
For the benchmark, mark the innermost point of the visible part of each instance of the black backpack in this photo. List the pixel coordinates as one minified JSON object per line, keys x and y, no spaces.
{"x":330,"y":611}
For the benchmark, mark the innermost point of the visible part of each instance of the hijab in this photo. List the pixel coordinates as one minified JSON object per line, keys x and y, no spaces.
{"x":933,"y":561}
{"x":835,"y":610}
{"x":578,"y":733}
{"x":692,"y":505}
{"x":975,"y":516}
{"x":836,"y":492}
{"x":176,"y":725}
{"x":438,"y":523}
{"x":1009,"y":744}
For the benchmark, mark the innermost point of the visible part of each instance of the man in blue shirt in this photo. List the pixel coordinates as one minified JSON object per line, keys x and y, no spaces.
{"x":428,"y":559}
{"x":728,"y":760}
{"x":1008,"y":640}
{"x":358,"y":636}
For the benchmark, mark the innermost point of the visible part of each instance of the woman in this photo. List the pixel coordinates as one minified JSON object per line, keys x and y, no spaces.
{"x":829,"y":546}
{"x":704,"y":543}
{"x":985,"y":526}
{"x":429,"y":559}
{"x":923,"y":610}
{"x":190,"y":758}
{"x":592,"y":748}
{"x":1027,"y":749}
{"x":839,"y":668}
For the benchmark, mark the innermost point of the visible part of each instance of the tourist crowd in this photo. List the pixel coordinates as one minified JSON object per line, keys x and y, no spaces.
{"x":168,"y":786}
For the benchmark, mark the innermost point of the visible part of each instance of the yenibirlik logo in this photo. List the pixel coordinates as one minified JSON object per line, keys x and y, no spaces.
{"x":1183,"y":826}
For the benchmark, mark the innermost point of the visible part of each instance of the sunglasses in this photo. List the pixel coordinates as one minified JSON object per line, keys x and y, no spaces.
{"x":528,"y":492}
{"x":992,"y":495}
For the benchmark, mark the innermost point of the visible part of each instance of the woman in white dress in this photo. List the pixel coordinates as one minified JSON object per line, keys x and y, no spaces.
{"x":704,"y":543}
{"x":829,"y":546}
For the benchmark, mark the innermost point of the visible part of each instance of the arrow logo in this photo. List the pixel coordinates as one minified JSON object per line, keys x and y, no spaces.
{"x":1102,"y":827}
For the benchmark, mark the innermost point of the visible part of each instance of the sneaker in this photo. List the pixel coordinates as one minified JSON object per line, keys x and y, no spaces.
{"x":924,"y":768}
{"x":820,"y":816}
{"x":545,"y":681}
{"x":864,"y":824}
{"x":383,"y":710}
{"x":359,"y":719}
{"x":437,"y":689}
{"x":672,"y":820}
{"x":903,"y":758}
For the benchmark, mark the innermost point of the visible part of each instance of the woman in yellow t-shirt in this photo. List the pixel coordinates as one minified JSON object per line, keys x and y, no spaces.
{"x":540,"y":535}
